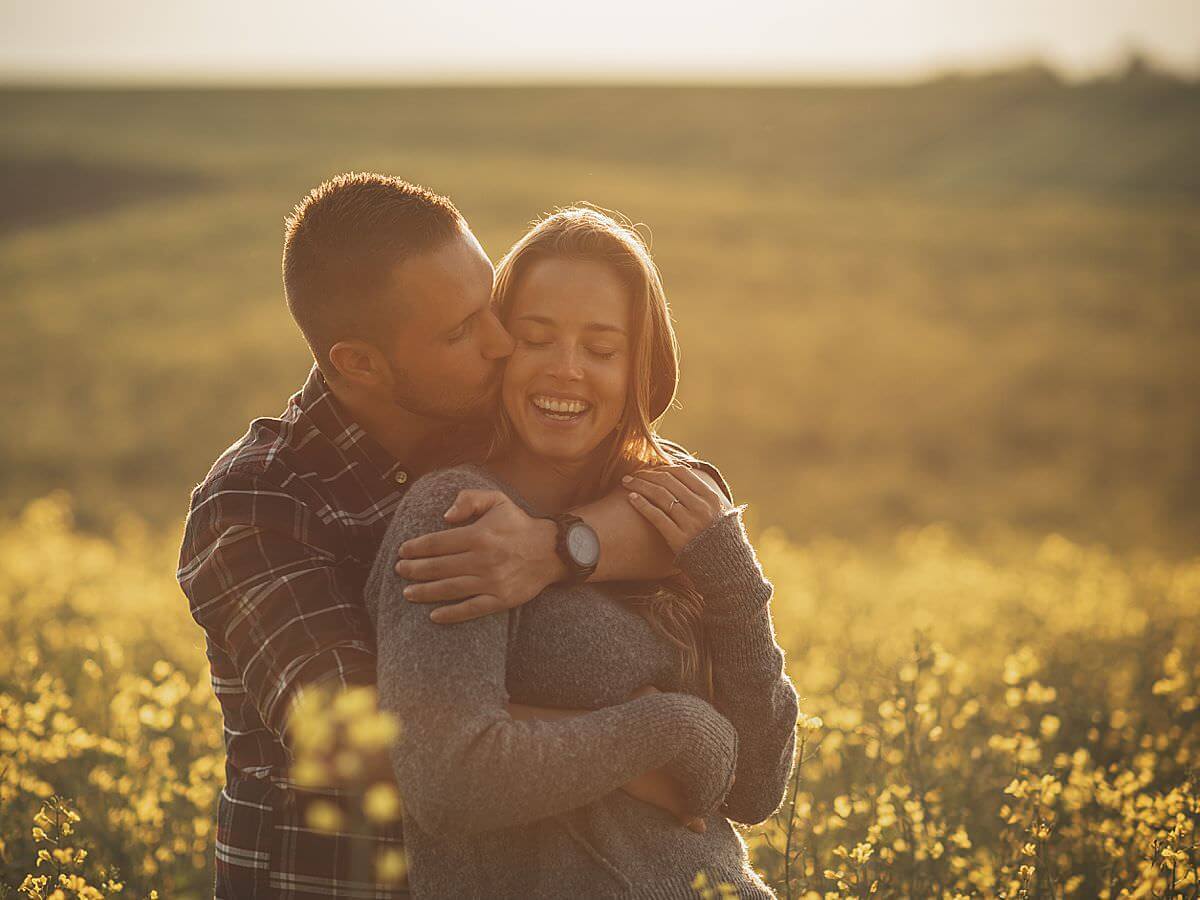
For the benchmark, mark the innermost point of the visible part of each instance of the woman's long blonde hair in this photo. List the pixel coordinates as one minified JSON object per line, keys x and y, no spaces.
{"x":591,"y":234}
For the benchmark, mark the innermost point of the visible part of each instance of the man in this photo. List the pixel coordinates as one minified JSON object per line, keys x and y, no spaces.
{"x":392,"y":293}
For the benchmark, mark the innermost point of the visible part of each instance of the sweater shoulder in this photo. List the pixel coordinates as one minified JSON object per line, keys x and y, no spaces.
{"x":446,"y":483}
{"x":421,"y":511}
{"x":422,"y":508}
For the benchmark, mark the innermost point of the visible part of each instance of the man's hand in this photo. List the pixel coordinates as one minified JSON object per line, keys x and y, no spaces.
{"x":503,"y":558}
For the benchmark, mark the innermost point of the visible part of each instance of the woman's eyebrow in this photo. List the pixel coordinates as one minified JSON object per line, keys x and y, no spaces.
{"x":589,"y":326}
{"x":601,"y":326}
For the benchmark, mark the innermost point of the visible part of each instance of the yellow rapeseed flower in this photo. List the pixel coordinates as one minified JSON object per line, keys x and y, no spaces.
{"x":381,"y":803}
{"x":390,"y":866}
{"x":324,"y":816}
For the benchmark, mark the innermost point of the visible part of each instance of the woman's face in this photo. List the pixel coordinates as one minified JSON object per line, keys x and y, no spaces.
{"x":565,"y":383}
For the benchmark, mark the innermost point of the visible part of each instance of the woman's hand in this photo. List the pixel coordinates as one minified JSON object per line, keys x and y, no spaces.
{"x":676,"y":500}
{"x":658,"y":788}
{"x":654,"y":787}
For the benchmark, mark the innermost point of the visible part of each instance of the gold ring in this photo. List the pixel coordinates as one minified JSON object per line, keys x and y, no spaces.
{"x":672,"y":506}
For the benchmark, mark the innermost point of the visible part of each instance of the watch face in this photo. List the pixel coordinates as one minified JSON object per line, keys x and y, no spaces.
{"x":583,"y":545}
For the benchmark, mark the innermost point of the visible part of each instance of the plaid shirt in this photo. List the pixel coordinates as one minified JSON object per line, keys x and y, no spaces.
{"x":278,"y":544}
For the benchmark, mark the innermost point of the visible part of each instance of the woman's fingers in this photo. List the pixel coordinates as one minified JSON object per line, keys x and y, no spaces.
{"x":665,"y":489}
{"x":702,"y":486}
{"x":659,"y":495}
{"x":670,"y":531}
{"x":659,"y":789}
{"x":666,"y":479}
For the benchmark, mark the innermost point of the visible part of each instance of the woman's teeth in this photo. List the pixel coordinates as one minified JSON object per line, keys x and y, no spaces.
{"x":560,"y":409}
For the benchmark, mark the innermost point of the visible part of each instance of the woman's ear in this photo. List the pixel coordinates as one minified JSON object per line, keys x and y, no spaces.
{"x":359,"y":363}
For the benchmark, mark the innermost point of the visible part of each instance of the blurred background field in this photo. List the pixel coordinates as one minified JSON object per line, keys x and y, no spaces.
{"x":972,"y":300}
{"x":942,"y":337}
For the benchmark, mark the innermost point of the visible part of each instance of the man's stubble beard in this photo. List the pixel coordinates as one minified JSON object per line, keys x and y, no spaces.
{"x":442,"y":407}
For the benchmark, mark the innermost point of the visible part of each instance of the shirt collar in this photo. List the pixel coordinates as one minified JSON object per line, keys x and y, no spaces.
{"x":322,"y":407}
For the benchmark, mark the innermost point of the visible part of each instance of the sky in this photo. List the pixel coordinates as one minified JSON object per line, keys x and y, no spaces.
{"x":395,"y":40}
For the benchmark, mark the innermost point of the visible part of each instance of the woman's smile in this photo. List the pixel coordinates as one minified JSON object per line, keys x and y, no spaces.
{"x":561,"y":409}
{"x":566,"y":382}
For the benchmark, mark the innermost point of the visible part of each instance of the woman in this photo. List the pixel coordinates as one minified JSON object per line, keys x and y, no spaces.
{"x":496,"y":807}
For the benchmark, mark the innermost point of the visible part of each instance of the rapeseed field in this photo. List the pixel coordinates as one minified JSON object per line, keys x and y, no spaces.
{"x":1016,"y":721}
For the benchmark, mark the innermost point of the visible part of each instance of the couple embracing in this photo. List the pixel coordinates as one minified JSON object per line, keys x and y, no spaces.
{"x":468,"y":505}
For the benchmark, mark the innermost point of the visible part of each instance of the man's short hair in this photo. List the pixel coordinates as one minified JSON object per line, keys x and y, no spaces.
{"x":341,"y":245}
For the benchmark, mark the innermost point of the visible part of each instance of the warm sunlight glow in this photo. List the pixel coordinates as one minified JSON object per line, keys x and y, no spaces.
{"x":458,"y":39}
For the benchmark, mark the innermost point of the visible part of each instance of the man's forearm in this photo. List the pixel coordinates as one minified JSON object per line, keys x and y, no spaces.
{"x":630,"y":548}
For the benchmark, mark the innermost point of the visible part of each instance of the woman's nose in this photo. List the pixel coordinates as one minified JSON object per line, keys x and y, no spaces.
{"x":566,"y":364}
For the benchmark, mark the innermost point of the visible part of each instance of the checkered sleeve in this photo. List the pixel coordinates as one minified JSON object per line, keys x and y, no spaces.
{"x":262,"y":583}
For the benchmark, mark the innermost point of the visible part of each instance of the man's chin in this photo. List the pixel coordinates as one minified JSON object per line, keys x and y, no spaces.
{"x":483,"y":408}
{"x":463,"y":412}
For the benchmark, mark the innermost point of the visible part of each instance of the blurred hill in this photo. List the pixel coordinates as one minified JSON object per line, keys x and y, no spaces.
{"x":972,"y":300}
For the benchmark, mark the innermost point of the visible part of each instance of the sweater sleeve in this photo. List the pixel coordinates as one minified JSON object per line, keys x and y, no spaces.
{"x":462,"y":762}
{"x":750,"y":687}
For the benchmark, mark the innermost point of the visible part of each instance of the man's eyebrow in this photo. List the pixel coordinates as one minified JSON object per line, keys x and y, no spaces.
{"x":589,"y":326}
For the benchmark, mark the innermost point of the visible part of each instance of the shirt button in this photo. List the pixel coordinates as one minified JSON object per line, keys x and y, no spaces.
{"x":401,"y":477}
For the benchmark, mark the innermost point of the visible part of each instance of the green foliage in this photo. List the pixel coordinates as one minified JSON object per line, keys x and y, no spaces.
{"x":966,"y":301}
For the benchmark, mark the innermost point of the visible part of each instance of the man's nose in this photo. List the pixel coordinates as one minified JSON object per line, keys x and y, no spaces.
{"x":498,"y":343}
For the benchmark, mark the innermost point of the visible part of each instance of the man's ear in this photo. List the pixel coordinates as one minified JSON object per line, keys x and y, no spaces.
{"x":359,"y":363}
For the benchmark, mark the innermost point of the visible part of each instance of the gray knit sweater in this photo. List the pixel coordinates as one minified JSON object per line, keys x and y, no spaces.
{"x":495,"y":807}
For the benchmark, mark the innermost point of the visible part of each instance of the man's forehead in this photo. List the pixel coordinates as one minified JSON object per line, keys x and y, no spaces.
{"x":445,"y":283}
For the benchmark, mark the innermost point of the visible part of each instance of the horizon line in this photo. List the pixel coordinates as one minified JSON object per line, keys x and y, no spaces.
{"x":31,"y":81}
{"x":191,"y":77}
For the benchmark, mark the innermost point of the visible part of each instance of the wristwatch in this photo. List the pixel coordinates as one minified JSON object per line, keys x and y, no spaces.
{"x":577,"y":546}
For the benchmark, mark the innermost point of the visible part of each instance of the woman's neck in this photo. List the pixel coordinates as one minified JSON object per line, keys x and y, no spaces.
{"x":549,"y":486}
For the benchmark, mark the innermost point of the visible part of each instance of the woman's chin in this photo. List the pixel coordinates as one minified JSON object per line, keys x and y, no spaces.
{"x":557,"y":453}
{"x":559,"y":449}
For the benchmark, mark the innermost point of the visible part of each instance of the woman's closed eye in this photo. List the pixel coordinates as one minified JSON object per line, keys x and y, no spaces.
{"x":597,"y":352}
